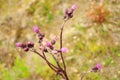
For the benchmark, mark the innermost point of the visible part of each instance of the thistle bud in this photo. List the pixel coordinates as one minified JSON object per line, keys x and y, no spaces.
{"x":69,"y":13}
{"x":43,"y":49}
{"x":30,"y":44}
{"x":36,"y":29}
{"x":26,"y":49}
{"x":49,"y":44}
{"x":41,"y":36}
{"x":23,"y":46}
{"x":74,"y":7}
{"x":54,"y":40}
{"x":96,"y":68}
{"x":64,"y":50}
{"x":18,"y":44}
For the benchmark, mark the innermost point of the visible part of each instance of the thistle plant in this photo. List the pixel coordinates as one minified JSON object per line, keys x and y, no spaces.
{"x":46,"y":46}
{"x":94,"y":69}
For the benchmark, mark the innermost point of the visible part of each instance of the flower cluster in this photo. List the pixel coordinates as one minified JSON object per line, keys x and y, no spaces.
{"x":48,"y":46}
{"x":69,"y":13}
{"x":25,"y":46}
{"x":39,"y":34}
{"x":96,"y":68}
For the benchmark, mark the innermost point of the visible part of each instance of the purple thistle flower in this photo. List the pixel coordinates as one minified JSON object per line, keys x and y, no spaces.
{"x":30,"y":44}
{"x":54,"y":40}
{"x":18,"y":44}
{"x":26,"y":49}
{"x":43,"y":49}
{"x":99,"y":66}
{"x":49,"y":44}
{"x":96,"y":68}
{"x":24,"y":45}
{"x":36,"y":29}
{"x":41,"y":36}
{"x":64,"y":50}
{"x":74,"y":7}
{"x":69,"y":13}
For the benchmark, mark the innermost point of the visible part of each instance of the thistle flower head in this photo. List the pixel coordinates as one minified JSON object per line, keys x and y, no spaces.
{"x":18,"y":44}
{"x":99,"y":66}
{"x":96,"y":68}
{"x":54,"y":40}
{"x":49,"y":44}
{"x":26,"y":49}
{"x":36,"y":29}
{"x":74,"y":7}
{"x":43,"y":49}
{"x":30,"y":44}
{"x":64,"y":50}
{"x":69,"y":13}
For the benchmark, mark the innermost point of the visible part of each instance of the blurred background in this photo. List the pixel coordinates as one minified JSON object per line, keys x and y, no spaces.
{"x":92,"y":36}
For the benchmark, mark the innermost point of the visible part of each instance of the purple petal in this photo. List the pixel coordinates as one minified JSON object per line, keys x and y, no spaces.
{"x":48,"y":44}
{"x":74,"y":7}
{"x":26,"y":49}
{"x":64,"y":50}
{"x":18,"y":44}
{"x":36,"y":29}
{"x":99,"y":66}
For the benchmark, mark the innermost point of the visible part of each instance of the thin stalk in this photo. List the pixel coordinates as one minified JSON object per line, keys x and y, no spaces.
{"x":55,"y":60}
{"x":60,"y":70}
{"x":54,"y":68}
{"x":61,"y":54}
{"x":61,"y":34}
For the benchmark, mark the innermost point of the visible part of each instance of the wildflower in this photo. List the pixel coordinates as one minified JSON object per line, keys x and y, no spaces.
{"x":18,"y":44}
{"x":64,"y":50}
{"x":26,"y":49}
{"x":43,"y":49}
{"x":41,"y":36}
{"x":30,"y":44}
{"x":36,"y":29}
{"x":74,"y":7}
{"x":99,"y":66}
{"x":69,"y":13}
{"x":23,"y":45}
{"x":49,"y":44}
{"x":54,"y":40}
{"x":96,"y":68}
